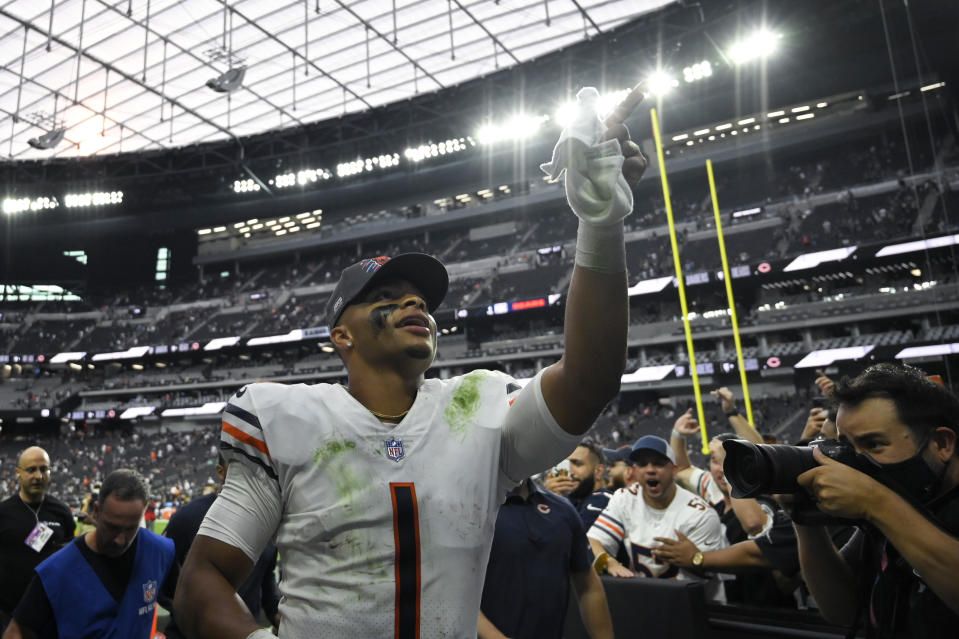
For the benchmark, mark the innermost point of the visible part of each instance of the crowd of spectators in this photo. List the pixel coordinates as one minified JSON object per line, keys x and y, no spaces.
{"x":179,"y":464}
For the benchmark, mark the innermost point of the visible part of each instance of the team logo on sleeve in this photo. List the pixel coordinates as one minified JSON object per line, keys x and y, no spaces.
{"x":149,"y":591}
{"x":394,"y":449}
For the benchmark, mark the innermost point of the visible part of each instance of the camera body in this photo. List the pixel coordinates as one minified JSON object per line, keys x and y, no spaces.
{"x":763,"y":469}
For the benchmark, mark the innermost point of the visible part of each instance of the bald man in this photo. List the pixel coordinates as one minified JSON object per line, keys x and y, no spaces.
{"x":33,"y":526}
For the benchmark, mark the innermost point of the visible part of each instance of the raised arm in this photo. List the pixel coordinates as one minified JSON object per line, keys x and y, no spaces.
{"x":684,"y":427}
{"x":597,"y":307}
{"x":740,"y":425}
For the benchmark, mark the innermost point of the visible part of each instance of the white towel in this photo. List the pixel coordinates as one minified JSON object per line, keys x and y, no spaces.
{"x":595,"y":187}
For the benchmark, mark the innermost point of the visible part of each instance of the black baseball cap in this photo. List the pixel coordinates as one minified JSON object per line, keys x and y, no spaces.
{"x":425,"y":272}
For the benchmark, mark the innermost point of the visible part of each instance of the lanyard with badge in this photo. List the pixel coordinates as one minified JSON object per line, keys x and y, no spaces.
{"x":41,"y":533}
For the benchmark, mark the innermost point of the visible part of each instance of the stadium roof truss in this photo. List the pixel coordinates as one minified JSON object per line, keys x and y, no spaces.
{"x":129,"y":75}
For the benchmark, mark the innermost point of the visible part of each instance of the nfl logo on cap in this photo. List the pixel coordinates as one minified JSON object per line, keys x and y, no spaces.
{"x":394,"y":449}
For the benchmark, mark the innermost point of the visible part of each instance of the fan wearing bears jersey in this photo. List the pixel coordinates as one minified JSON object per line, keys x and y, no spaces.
{"x":353,"y":480}
{"x":652,"y":508}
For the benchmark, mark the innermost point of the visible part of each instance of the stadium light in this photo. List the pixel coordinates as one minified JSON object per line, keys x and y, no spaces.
{"x":930,"y":87}
{"x":301,"y":177}
{"x":660,"y":82}
{"x":228,"y":81}
{"x":447,"y":147}
{"x":518,"y":127}
{"x":697,"y":71}
{"x":19,"y":205}
{"x":607,"y":102}
{"x":346,"y":169}
{"x":101,"y":198}
{"x":245,"y":186}
{"x":760,"y":44}
{"x":48,"y":140}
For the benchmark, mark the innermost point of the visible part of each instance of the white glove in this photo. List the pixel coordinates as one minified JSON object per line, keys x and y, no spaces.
{"x":596,"y":190}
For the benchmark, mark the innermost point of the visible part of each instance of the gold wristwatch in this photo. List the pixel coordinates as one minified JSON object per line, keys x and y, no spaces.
{"x":601,"y":563}
{"x":698,"y":558}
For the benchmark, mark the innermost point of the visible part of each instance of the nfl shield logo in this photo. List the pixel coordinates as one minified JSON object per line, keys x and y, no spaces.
{"x":394,"y":449}
{"x":149,"y":591}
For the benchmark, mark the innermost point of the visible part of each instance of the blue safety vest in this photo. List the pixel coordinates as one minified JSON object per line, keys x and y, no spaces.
{"x":82,"y":606}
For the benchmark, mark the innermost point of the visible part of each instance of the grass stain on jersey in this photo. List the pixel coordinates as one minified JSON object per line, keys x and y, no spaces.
{"x":324,"y":454}
{"x":465,"y":403}
{"x":339,"y":470}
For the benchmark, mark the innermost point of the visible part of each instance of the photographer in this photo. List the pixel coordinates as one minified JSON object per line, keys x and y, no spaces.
{"x":898,"y":572}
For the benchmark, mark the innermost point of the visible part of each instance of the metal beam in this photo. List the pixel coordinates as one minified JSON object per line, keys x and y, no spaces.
{"x":587,"y":16}
{"x":488,"y":32}
{"x":390,"y":42}
{"x":194,"y":56}
{"x":296,"y":53}
{"x":54,"y":91}
{"x":126,"y":76}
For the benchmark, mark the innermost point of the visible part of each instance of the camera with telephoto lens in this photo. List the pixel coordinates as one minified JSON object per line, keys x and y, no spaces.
{"x":764,"y":469}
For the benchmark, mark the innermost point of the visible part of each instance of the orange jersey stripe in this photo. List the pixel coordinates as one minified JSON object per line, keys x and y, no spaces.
{"x":236,"y":433}
{"x":605,"y":522}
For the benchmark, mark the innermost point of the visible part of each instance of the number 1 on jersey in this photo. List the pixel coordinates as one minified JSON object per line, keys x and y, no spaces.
{"x":406,"y":533}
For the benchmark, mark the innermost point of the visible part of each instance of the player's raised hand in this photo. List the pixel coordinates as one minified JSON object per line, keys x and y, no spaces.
{"x":726,"y":398}
{"x":686,"y":424}
{"x":634,"y":163}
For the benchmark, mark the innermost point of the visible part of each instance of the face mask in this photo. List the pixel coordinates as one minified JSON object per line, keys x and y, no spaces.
{"x":913,"y":478}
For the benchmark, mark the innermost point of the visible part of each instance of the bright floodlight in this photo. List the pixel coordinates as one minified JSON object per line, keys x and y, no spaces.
{"x":761,"y":44}
{"x":604,"y":106}
{"x":660,"y":83}
{"x":517,"y":128}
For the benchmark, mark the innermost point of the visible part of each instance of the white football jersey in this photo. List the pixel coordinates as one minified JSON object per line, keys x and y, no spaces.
{"x":384,"y":530}
{"x":702,"y":483}
{"x":629,"y":520}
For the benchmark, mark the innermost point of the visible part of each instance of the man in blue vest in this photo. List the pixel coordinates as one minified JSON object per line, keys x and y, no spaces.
{"x":104,"y":585}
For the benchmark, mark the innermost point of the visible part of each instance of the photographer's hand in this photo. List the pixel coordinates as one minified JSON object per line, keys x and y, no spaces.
{"x":838,"y":490}
{"x":841,"y":490}
{"x":928,"y":549}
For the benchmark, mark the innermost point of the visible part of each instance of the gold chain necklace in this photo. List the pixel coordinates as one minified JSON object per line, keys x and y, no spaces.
{"x":379,"y":415}
{"x":385,"y":416}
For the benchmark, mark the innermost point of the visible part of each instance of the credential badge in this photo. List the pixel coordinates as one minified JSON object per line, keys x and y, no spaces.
{"x":394,"y":449}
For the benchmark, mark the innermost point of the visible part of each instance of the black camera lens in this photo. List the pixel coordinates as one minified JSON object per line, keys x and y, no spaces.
{"x":763,"y":469}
